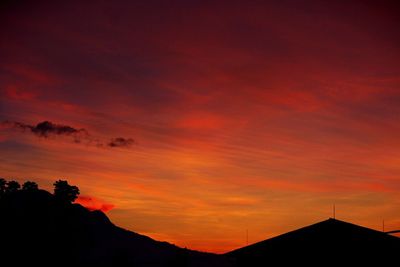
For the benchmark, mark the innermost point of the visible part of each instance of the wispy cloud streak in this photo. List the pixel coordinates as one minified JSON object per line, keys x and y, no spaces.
{"x":47,"y":129}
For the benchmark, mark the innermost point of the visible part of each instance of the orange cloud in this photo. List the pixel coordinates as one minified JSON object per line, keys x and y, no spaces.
{"x":201,"y":121}
{"x":93,"y":203}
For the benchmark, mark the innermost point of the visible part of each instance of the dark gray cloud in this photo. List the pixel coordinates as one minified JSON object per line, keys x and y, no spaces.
{"x":121,"y":142}
{"x":47,"y":129}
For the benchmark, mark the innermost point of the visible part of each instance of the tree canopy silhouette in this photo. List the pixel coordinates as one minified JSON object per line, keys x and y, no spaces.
{"x":3,"y":184}
{"x":65,"y":192}
{"x":12,"y":186}
{"x":30,"y":186}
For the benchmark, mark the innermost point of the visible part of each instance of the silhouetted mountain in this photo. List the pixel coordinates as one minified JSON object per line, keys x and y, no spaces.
{"x":328,"y":243}
{"x":38,"y":229}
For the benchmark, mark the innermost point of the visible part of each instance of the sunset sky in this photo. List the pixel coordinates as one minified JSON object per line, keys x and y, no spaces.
{"x":194,"y":121}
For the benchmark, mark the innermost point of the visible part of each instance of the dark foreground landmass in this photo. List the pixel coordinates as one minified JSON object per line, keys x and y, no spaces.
{"x":39,"y":230}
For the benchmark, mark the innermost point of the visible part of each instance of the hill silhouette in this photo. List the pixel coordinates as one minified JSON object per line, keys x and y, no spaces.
{"x":327,"y":243}
{"x":38,"y":229}
{"x":43,"y":229}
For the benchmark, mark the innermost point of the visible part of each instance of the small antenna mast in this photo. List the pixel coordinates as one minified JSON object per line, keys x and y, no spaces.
{"x":334,"y":211}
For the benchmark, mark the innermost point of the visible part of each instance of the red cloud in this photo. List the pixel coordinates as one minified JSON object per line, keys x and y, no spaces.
{"x":92,"y":203}
{"x":17,"y":94}
{"x":32,"y":74}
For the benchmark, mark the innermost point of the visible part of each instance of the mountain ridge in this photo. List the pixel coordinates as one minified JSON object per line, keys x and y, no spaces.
{"x":48,"y":231}
{"x":40,"y":230}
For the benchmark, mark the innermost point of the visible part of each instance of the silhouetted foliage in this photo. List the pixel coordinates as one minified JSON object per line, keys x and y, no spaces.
{"x":12,"y":187}
{"x":3,"y":184}
{"x":30,"y":186}
{"x":65,"y":192}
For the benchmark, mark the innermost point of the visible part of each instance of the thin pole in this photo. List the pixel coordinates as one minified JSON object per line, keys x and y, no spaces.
{"x":247,"y":237}
{"x":383,"y":225}
{"x":334,"y":211}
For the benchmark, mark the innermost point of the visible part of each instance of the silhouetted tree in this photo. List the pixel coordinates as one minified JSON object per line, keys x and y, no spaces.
{"x":12,"y":186}
{"x":3,"y":187}
{"x":65,"y":192}
{"x":30,"y":186}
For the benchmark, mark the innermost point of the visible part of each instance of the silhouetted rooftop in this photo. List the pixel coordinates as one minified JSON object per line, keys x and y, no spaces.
{"x":334,"y":240}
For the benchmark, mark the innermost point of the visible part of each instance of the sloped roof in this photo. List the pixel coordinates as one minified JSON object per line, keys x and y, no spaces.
{"x":333,"y":240}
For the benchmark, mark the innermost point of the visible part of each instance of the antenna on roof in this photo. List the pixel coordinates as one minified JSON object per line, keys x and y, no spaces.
{"x":334,"y":211}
